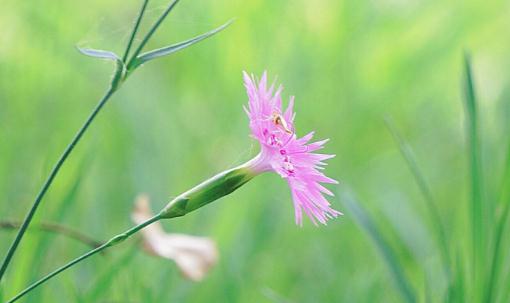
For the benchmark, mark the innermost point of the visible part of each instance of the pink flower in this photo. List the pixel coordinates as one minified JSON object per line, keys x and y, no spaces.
{"x":282,"y":152}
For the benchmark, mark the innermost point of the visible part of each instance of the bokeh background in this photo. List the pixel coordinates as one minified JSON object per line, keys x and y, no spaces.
{"x":179,"y":120}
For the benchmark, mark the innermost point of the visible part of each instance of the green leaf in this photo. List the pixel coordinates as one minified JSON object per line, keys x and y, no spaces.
{"x":497,"y":253}
{"x":434,"y":214}
{"x":387,"y":252}
{"x":101,"y":54}
{"x":477,"y":209}
{"x":167,"y":50}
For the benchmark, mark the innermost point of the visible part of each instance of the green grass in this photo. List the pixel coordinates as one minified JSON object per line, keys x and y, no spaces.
{"x":388,"y":253}
{"x":483,"y":280}
{"x":478,"y":207}
{"x":179,"y":120}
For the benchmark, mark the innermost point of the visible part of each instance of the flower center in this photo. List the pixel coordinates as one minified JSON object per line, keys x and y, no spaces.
{"x":273,"y":140}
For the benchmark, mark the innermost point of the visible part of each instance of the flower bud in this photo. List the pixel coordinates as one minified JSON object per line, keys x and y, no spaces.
{"x":210,"y":190}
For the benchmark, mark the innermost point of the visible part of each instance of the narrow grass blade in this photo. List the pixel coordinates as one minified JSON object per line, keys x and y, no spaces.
{"x":504,"y":194}
{"x":435,"y":217}
{"x":458,"y":291}
{"x":388,"y":254}
{"x":496,"y":253}
{"x":499,"y":231}
{"x":477,"y":211}
{"x":167,"y":50}
{"x":506,"y":290}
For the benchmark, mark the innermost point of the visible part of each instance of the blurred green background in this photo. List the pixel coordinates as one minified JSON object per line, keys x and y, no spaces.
{"x":179,"y":120}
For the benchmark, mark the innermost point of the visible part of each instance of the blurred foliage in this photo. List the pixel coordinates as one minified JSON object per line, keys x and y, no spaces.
{"x":180,"y":119}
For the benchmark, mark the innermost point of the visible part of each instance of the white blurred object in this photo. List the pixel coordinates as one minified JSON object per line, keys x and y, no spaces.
{"x":194,"y":256}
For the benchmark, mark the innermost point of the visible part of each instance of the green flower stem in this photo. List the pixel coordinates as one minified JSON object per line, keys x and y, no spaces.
{"x":115,"y":83}
{"x":135,"y":29}
{"x":149,"y":35}
{"x":112,"y":242}
{"x":51,"y":177}
{"x":210,"y":190}
{"x":123,"y":69}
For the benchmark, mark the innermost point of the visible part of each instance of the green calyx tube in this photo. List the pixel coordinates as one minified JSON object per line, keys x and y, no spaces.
{"x":208,"y":191}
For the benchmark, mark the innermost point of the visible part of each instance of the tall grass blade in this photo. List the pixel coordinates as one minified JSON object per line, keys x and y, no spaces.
{"x":477,"y":211}
{"x":496,"y":263}
{"x":458,"y":291}
{"x":435,"y":217}
{"x":496,"y":253}
{"x":504,"y":192}
{"x":388,"y":254}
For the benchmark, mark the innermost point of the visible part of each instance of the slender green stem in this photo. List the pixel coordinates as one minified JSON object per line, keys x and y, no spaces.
{"x":112,"y":242}
{"x":50,"y":179}
{"x":210,"y":190}
{"x":150,"y":33}
{"x":55,"y":228}
{"x":114,"y":85}
{"x":135,"y":30}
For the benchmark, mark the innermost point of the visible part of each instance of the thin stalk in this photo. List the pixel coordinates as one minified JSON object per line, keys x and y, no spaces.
{"x":112,"y":242}
{"x":135,"y":30}
{"x":55,"y":228}
{"x":114,"y":85}
{"x":204,"y":193}
{"x":150,"y":33}
{"x":51,"y":177}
